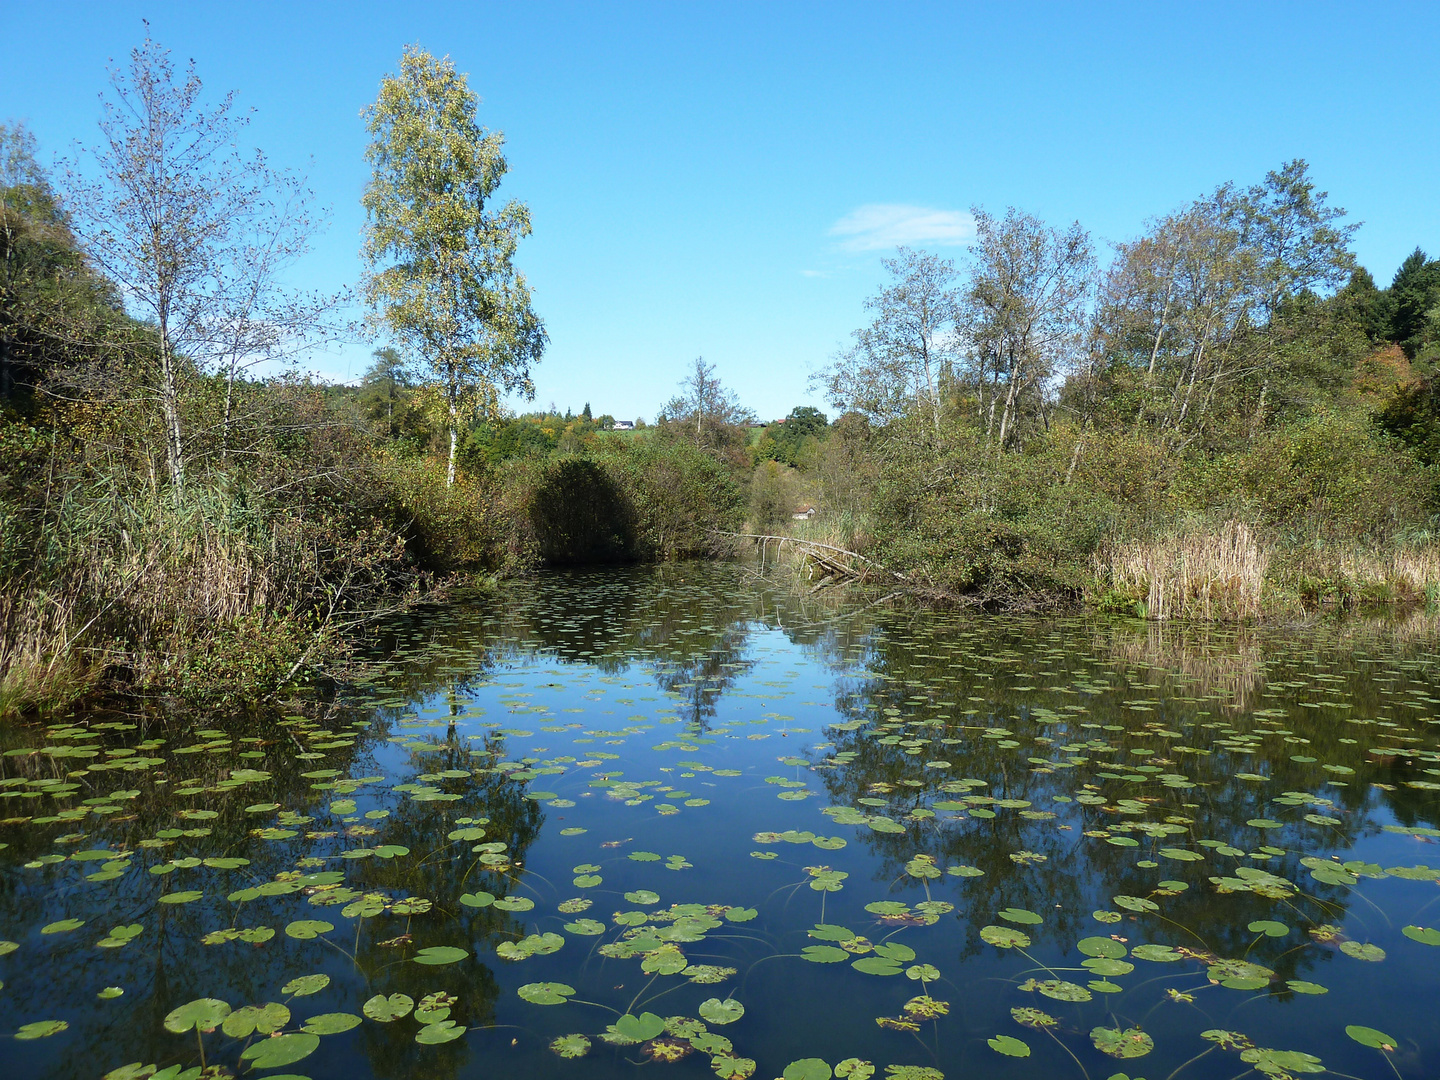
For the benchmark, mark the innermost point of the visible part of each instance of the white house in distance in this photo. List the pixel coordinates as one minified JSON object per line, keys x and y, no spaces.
{"x":805,"y":513}
{"x":624,"y":425}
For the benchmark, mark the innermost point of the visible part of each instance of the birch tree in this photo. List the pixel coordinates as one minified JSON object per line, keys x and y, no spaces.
{"x":900,"y":361}
{"x":1023,"y":312}
{"x":195,"y":233}
{"x":439,"y":253}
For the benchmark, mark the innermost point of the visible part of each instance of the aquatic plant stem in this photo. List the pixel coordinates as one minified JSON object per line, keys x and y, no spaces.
{"x":1194,"y":1059}
{"x":1083,"y":1071}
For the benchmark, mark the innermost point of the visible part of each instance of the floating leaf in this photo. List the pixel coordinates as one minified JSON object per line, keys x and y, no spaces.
{"x":306,"y":985}
{"x":570,"y":1046}
{"x":203,"y":1014}
{"x":1129,"y":1043}
{"x":1362,"y":951}
{"x":550,"y":993}
{"x":807,"y":1069}
{"x":640,"y":1028}
{"x":64,"y":926}
{"x":442,"y":1031}
{"x":1424,"y":935}
{"x":385,"y":1009}
{"x":1005,"y":937}
{"x":1368,"y":1036}
{"x":306,"y":929}
{"x":266,"y":1019}
{"x":824,"y":954}
{"x":1009,"y":1046}
{"x":715,"y":1011}
{"x":643,"y":896}
{"x":1101,"y":946}
{"x":437,"y":955}
{"x":41,"y":1029}
{"x":331,"y":1023}
{"x":1268,"y":927}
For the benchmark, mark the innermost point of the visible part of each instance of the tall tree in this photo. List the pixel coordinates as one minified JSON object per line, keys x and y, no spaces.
{"x":1024,"y":312}
{"x":707,"y":411}
{"x":196,"y":233}
{"x":439,"y":254}
{"x":901,"y":359}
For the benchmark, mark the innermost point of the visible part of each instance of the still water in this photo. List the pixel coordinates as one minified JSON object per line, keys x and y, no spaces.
{"x":689,"y":819}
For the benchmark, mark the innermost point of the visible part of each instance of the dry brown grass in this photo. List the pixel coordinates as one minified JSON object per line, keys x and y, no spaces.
{"x":1198,"y":574}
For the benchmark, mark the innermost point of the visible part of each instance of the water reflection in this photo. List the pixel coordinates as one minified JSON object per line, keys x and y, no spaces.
{"x":490,"y":778}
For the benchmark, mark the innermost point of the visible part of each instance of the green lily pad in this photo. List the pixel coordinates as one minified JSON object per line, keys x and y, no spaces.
{"x":64,"y":926}
{"x":306,"y":985}
{"x":640,"y":1028}
{"x":442,"y":1031}
{"x":281,"y":1050}
{"x":1101,"y":946}
{"x":1281,"y":1063}
{"x":307,"y":929}
{"x":1422,"y":934}
{"x":438,"y":955}
{"x":384,"y":1009}
{"x":807,"y":1069}
{"x":1020,"y":915}
{"x":1009,"y":1046}
{"x":1156,"y":954}
{"x":1268,"y":927}
{"x":41,"y":1029}
{"x":643,"y":897}
{"x":550,"y":993}
{"x":1368,"y":1036}
{"x":266,"y":1019}
{"x":740,"y":914}
{"x":1127,"y":1043}
{"x":824,"y":954}
{"x":331,"y":1023}
{"x":107,"y":993}
{"x":570,"y":1046}
{"x":715,"y":1011}
{"x":204,"y":1014}
{"x":477,"y":899}
{"x":1005,"y":937}
{"x":1362,"y":951}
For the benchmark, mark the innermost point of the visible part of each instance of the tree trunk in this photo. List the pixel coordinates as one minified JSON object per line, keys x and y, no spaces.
{"x":170,"y":413}
{"x":450,"y":468}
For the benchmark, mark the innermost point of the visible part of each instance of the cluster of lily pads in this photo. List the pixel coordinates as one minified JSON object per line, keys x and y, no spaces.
{"x":1185,"y":797}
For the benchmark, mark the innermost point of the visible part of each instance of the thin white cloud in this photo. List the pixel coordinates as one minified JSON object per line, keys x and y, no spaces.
{"x":815,"y":273}
{"x":886,"y":225}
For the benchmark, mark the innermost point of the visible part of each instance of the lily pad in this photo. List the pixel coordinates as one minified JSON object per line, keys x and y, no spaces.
{"x":1368,"y":1036}
{"x":281,"y":1050}
{"x":306,"y":985}
{"x":570,"y":1046}
{"x":550,"y":993}
{"x":1009,"y":1046}
{"x":1118,"y":1043}
{"x":439,"y":955}
{"x":807,"y":1069}
{"x":640,"y":1028}
{"x":384,"y":1009}
{"x":331,"y":1023}
{"x":715,"y":1011}
{"x":203,"y":1014}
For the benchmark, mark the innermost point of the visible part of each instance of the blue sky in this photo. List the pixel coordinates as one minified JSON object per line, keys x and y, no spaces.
{"x":723,"y":179}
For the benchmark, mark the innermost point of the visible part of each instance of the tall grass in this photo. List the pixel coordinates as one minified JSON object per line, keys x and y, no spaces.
{"x":1197,"y":574}
{"x":159,"y":589}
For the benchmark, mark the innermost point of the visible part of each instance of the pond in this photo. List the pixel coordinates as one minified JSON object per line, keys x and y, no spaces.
{"x":692,"y":818}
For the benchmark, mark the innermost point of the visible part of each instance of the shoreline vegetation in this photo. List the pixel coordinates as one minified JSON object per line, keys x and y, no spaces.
{"x":1224,"y":419}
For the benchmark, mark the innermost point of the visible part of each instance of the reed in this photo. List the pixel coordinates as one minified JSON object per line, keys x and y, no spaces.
{"x":1211,"y":574}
